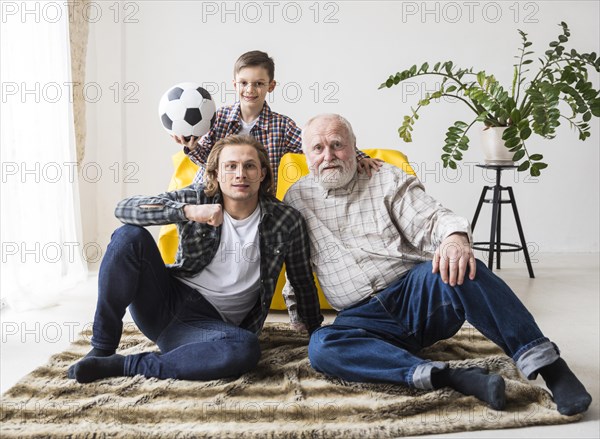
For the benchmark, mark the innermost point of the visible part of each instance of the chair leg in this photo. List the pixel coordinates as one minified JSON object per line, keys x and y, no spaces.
{"x":478,"y":209}
{"x":520,"y":229}
{"x":493,"y":237}
{"x":498,"y":228}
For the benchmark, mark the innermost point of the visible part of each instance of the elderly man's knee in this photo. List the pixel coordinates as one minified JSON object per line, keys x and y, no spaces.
{"x":319,"y":348}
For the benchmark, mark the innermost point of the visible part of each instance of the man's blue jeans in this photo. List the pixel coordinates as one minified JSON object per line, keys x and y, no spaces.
{"x":378,"y":339}
{"x":195,"y":342}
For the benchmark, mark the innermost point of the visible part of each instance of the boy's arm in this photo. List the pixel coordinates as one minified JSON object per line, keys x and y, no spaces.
{"x":300,"y":277}
{"x":293,"y":138}
{"x":360,"y":155}
{"x":165,"y":208}
{"x":198,"y":151}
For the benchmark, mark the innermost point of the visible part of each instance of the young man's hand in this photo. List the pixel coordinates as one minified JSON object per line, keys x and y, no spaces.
{"x":369,"y":165}
{"x":191,"y":144}
{"x":211,"y":214}
{"x":452,"y":258}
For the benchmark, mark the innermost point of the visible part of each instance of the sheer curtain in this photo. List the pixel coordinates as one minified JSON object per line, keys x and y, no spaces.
{"x":42,"y":254}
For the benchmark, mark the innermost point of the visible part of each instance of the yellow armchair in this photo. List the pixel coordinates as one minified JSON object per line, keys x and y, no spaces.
{"x":291,"y":168}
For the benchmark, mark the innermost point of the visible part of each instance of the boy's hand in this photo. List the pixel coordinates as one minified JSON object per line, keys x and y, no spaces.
{"x":191,"y":144}
{"x":211,"y":214}
{"x":368,"y":164}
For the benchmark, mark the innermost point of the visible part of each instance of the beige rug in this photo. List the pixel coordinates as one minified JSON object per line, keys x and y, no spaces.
{"x":283,"y":397}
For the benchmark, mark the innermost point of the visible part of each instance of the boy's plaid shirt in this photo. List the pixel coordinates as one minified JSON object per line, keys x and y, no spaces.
{"x":277,"y":133}
{"x":283,"y":238}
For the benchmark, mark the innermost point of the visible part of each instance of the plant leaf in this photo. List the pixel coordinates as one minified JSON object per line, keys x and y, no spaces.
{"x":515,"y":116}
{"x":481,"y":78}
{"x":512,"y":142}
{"x":525,"y":133}
{"x":518,"y":155}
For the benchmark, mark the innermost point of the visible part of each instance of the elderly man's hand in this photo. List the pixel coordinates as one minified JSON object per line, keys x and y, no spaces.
{"x":211,"y":214}
{"x":368,"y":164}
{"x":452,"y":258}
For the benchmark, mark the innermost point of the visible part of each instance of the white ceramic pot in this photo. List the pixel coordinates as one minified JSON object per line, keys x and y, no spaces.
{"x":494,"y":151}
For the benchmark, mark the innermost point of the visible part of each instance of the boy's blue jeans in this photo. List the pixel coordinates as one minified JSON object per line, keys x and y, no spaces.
{"x":378,"y":339}
{"x":195,"y":343}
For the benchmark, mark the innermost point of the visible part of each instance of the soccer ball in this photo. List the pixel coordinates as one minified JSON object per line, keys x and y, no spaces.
{"x":187,"y":109}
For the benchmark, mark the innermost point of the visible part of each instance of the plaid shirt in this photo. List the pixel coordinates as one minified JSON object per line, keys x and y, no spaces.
{"x":283,"y":238}
{"x":277,"y":133}
{"x":367,"y":234}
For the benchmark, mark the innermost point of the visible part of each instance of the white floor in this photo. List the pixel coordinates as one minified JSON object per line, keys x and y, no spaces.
{"x":564,"y":298}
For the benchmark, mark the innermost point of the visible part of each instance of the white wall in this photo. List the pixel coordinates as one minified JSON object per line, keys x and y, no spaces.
{"x":336,"y":65}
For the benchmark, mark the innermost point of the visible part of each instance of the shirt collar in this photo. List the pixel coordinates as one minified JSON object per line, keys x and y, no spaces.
{"x":235,"y":114}
{"x":266,"y":205}
{"x":263,"y":117}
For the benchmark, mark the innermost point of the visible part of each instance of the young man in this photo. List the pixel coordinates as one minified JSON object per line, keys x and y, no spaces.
{"x":253,"y":79}
{"x":374,"y":265}
{"x":205,"y":311}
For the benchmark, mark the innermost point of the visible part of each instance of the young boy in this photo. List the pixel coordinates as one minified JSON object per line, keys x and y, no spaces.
{"x":253,"y":80}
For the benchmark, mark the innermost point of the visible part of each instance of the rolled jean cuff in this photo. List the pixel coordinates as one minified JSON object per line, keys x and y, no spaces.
{"x":421,"y":377}
{"x":540,"y":355}
{"x":104,"y":346}
{"x":130,"y":365}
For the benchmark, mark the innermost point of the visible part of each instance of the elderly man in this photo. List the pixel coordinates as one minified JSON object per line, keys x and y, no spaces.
{"x":400,"y":270}
{"x":205,"y":311}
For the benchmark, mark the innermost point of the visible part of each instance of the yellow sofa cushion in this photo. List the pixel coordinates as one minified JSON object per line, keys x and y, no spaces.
{"x":291,"y":168}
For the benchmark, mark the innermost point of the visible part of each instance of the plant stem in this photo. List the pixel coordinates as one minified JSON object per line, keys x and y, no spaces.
{"x":464,"y":100}
{"x":572,"y":124}
{"x":445,"y":75}
{"x":518,"y":85}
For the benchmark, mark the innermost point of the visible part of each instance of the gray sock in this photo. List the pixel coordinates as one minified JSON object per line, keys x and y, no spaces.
{"x":568,"y":392}
{"x":94,"y":368}
{"x":474,"y":381}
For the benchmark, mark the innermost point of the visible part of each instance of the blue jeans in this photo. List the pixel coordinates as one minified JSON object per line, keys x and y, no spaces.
{"x":195,"y":343}
{"x":378,"y":339}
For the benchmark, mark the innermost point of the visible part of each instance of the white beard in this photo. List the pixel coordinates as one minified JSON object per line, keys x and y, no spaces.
{"x":333,"y":179}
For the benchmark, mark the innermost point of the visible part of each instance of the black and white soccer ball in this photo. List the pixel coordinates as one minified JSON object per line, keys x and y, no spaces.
{"x":186,"y":110}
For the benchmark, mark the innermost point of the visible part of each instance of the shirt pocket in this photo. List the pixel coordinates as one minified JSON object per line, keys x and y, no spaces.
{"x":372,"y":231}
{"x":274,"y":249}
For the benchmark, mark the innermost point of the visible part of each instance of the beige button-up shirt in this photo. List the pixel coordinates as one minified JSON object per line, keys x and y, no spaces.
{"x":364,"y":236}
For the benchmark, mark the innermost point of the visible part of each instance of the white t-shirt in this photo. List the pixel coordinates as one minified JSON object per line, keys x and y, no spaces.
{"x":230,"y":282}
{"x":246,"y":127}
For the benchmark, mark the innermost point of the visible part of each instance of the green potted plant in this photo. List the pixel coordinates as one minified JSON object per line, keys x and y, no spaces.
{"x":529,"y":107}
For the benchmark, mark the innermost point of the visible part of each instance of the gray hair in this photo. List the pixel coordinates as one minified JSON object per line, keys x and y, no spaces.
{"x":340,"y":119}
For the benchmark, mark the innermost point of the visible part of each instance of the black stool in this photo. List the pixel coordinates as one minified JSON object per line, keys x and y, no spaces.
{"x":495,"y":244}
